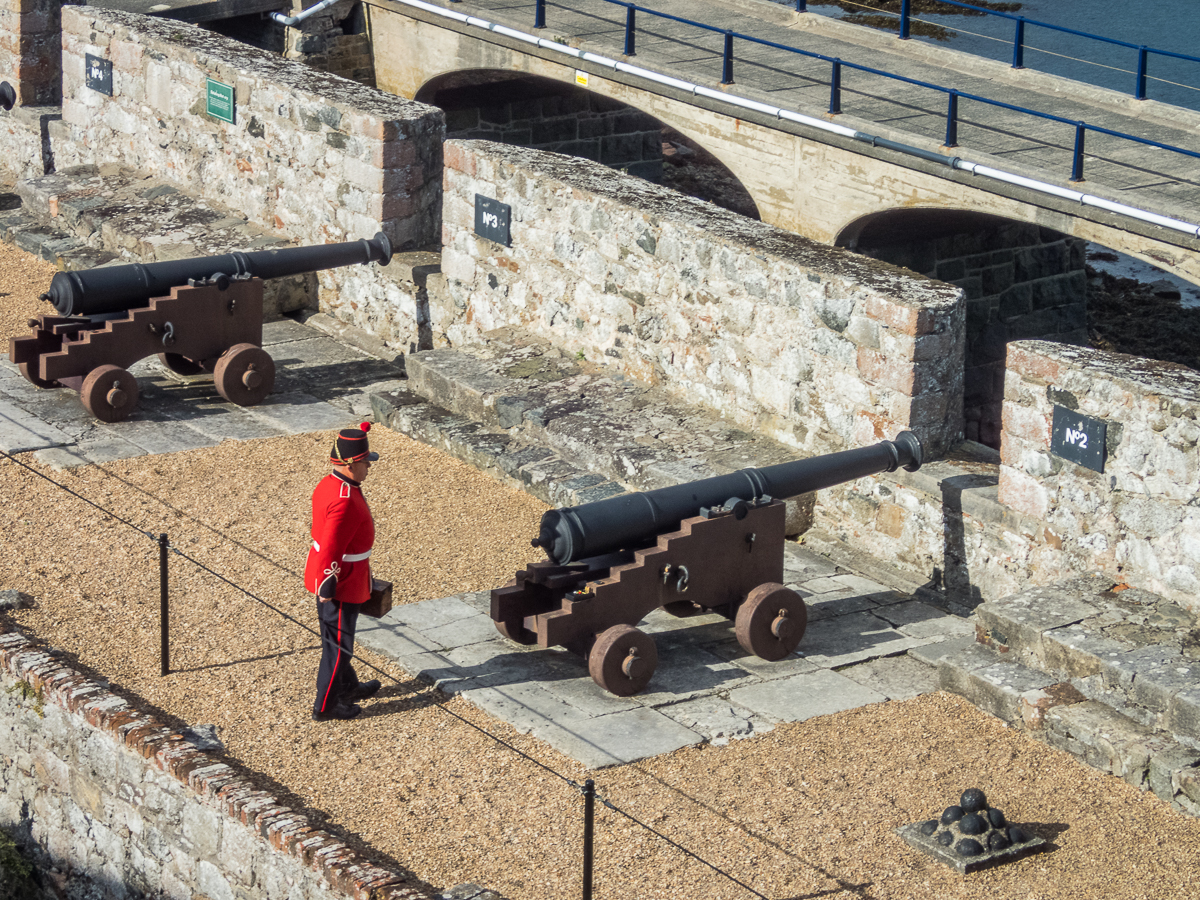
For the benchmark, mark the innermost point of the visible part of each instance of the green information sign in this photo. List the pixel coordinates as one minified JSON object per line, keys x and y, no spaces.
{"x":219,"y":101}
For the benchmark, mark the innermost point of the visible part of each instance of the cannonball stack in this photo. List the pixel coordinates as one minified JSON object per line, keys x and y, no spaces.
{"x":971,"y":834}
{"x":972,"y":827}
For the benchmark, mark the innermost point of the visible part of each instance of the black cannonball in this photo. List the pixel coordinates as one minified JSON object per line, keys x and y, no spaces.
{"x":972,"y":800}
{"x":951,"y":815}
{"x":1017,"y":836}
{"x":928,"y":828}
{"x":997,"y":841}
{"x":944,"y":838}
{"x":969,"y":847}
{"x":972,"y":823}
{"x":996,"y":818}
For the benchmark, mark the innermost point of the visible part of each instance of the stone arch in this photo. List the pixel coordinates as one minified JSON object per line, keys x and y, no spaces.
{"x":547,"y":114}
{"x":1022,"y":281}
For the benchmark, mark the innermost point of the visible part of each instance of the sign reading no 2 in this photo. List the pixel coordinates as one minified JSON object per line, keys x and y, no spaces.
{"x":1078,"y":438}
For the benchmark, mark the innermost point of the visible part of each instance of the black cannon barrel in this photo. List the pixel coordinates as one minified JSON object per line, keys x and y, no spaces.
{"x":8,"y":95}
{"x":109,"y":289}
{"x":582,"y":532}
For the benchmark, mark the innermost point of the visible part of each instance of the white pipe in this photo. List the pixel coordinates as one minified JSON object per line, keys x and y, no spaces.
{"x":296,"y":20}
{"x":1043,"y":187}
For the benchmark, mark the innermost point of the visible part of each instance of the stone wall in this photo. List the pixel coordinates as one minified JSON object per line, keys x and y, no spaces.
{"x":560,"y":118}
{"x":310,"y":155}
{"x":1022,"y":282}
{"x":335,"y":40}
{"x":110,"y":796}
{"x":30,"y":49}
{"x":818,"y":347}
{"x":1138,"y":521}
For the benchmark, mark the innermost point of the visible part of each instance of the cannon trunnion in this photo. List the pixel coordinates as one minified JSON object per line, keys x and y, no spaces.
{"x":197,"y":315}
{"x":725,"y":557}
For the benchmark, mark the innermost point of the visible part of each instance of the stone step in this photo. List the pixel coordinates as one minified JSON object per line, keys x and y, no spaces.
{"x":630,"y":434}
{"x":89,"y":216}
{"x":1056,"y":712}
{"x":1127,"y":648}
{"x":522,"y":464}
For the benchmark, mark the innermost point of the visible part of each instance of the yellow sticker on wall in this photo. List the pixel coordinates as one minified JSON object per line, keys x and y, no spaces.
{"x":581,"y":78}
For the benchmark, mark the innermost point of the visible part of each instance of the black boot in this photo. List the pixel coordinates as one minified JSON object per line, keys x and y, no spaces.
{"x":339,"y":709}
{"x":364,"y":691}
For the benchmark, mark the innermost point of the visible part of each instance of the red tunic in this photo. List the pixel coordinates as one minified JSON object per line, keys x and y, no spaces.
{"x":343,"y":534}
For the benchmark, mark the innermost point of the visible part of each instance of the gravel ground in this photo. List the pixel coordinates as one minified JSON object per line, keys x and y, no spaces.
{"x":804,"y":811}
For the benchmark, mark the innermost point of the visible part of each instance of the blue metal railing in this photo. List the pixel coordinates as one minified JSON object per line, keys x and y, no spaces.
{"x":835,"y":80}
{"x":1018,"y":43}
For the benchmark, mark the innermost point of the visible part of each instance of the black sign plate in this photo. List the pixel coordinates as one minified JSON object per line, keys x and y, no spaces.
{"x":97,"y":74}
{"x":1078,"y":438}
{"x":491,"y":219}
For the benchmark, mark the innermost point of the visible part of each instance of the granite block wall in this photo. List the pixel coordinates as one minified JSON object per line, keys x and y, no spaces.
{"x":1022,"y":282}
{"x":30,"y":51}
{"x":109,"y":792}
{"x":818,"y":347}
{"x":313,"y":156}
{"x":1138,"y":521}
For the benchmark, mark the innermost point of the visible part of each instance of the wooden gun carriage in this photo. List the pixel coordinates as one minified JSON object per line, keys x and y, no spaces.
{"x":198,"y":315}
{"x":714,"y":545}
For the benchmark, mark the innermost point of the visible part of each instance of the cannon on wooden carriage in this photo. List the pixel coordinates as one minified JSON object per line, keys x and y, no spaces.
{"x":198,"y":315}
{"x":714,"y":545}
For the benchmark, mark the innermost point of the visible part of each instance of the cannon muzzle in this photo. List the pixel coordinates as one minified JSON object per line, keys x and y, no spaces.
{"x":112,"y":289}
{"x":8,"y":95}
{"x":621,"y":523}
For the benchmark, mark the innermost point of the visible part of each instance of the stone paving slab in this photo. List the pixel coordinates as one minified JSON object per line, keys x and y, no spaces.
{"x":705,"y":688}
{"x":21,"y":432}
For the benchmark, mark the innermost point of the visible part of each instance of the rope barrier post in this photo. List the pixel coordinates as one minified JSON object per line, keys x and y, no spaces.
{"x":589,"y":817}
{"x":727,"y":60}
{"x":164,"y":618}
{"x":539,"y":14}
{"x":904,"y":20}
{"x":1019,"y":44}
{"x":629,"y":26}
{"x":952,"y":120}
{"x":1140,"y":91}
{"x":835,"y":88}
{"x":1077,"y":163}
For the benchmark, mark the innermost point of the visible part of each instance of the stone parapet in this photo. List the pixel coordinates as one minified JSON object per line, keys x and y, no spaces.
{"x":816,"y":347}
{"x":110,"y":792}
{"x":1136,"y":521}
{"x":311,"y":155}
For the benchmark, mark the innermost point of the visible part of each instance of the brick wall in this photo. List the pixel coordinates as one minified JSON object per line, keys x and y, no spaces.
{"x":109,"y":792}
{"x":818,"y":347}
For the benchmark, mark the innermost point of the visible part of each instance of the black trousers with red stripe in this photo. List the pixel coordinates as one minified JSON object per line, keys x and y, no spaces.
{"x":336,"y":677}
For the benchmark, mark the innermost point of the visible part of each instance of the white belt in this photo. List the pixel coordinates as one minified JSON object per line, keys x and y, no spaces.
{"x":347,"y":557}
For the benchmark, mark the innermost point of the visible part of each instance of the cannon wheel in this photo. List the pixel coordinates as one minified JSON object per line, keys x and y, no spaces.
{"x":771,"y":622}
{"x":244,"y":374}
{"x":109,"y":393}
{"x":180,"y":365}
{"x":622,"y":660}
{"x":29,"y":370}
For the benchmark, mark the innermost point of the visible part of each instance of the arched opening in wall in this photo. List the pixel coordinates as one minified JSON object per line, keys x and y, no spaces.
{"x":544,"y":114}
{"x":1023,"y":282}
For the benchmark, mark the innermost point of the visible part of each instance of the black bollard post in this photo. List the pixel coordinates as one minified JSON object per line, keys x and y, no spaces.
{"x":589,"y":815}
{"x":164,"y":626}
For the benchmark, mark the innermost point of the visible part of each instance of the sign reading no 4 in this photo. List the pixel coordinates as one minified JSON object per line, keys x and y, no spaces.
{"x":1078,"y":438}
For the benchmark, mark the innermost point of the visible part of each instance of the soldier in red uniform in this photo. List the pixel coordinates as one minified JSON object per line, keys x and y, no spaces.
{"x":338,"y":571}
